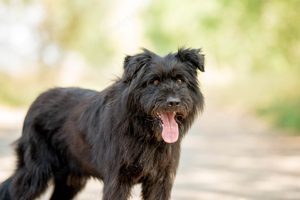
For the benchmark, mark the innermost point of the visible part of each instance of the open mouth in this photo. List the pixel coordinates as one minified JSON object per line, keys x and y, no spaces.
{"x":167,"y":120}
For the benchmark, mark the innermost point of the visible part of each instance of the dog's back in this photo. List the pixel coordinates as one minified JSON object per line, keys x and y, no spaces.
{"x":48,"y":113}
{"x":40,"y":141}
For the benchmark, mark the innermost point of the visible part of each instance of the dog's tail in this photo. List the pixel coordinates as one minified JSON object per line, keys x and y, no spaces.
{"x":4,"y":189}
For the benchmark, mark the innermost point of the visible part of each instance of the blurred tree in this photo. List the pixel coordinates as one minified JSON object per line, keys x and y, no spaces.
{"x":265,"y":34}
{"x":77,"y":26}
{"x":65,"y":26}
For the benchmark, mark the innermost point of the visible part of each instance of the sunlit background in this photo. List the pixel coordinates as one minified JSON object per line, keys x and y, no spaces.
{"x":246,"y":145}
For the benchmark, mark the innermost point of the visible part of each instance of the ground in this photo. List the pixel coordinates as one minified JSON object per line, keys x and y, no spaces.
{"x":228,"y":154}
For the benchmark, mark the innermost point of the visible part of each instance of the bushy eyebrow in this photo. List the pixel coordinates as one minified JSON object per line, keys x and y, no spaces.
{"x":162,"y":71}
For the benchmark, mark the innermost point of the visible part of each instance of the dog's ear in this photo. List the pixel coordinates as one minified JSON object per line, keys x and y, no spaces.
{"x":192,"y":57}
{"x":132,"y":64}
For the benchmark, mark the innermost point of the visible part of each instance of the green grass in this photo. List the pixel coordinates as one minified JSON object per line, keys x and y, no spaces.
{"x":284,"y":112}
{"x":272,"y":97}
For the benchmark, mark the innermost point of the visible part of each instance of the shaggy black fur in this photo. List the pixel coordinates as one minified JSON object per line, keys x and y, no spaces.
{"x":73,"y":134}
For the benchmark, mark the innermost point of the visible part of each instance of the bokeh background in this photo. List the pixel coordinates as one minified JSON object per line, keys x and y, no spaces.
{"x":246,"y":144}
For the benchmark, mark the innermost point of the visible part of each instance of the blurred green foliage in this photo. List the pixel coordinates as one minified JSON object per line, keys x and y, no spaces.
{"x":285,"y":113}
{"x":250,"y":34}
{"x":79,"y":26}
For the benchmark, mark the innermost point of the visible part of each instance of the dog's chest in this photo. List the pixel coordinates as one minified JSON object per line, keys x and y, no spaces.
{"x":148,"y":163}
{"x":132,"y":172}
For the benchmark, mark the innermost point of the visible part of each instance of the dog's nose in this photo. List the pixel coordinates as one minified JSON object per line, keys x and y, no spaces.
{"x":173,"y":102}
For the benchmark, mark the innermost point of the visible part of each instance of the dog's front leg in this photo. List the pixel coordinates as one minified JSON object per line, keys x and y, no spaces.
{"x":116,"y":190}
{"x":158,"y":188}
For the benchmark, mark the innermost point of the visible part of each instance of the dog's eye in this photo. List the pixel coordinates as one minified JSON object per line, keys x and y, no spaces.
{"x":179,"y":81}
{"x":156,"y":82}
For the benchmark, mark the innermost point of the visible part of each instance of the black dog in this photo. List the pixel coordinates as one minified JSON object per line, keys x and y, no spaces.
{"x":129,"y":133}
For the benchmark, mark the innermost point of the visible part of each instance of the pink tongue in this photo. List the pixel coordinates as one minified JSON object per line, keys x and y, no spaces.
{"x":170,"y":129}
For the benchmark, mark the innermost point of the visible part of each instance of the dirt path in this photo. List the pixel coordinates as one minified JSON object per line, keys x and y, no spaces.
{"x":227,"y":155}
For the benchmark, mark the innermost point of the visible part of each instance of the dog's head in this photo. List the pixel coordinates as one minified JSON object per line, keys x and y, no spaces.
{"x":166,"y":89}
